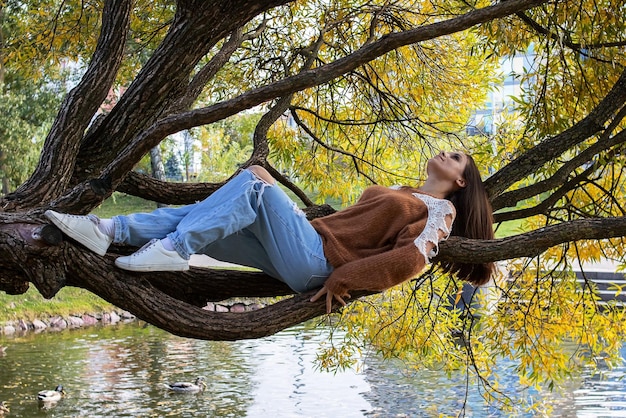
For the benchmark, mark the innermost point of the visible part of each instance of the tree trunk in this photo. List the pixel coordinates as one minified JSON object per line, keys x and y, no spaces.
{"x":82,"y":164}
{"x":158,"y":170}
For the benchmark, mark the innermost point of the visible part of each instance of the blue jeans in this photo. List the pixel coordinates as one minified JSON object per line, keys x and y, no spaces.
{"x":247,"y":222}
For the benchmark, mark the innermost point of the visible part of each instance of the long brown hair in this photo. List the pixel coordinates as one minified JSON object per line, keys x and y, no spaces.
{"x":474,"y":219}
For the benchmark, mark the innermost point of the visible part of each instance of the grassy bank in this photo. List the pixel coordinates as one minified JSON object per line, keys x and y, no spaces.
{"x":70,"y":300}
{"x":31,"y":305}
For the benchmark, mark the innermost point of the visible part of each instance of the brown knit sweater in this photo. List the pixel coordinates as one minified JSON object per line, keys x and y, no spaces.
{"x":371,"y":244}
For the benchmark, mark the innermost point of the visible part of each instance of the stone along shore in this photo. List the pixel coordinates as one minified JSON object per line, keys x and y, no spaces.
{"x":59,"y":323}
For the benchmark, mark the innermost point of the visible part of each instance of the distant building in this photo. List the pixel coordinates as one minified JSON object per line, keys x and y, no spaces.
{"x":486,"y":120}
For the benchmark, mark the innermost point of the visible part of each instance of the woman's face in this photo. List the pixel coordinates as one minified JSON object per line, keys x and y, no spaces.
{"x":448,"y":166}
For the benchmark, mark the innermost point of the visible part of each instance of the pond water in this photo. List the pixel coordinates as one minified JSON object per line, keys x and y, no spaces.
{"x":121,"y":371}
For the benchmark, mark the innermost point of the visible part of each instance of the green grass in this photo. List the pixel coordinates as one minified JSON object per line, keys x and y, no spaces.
{"x":32,"y":305}
{"x":123,"y":204}
{"x":508,"y":228}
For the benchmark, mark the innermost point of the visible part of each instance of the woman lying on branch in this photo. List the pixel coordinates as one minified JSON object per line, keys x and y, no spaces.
{"x":384,"y":239}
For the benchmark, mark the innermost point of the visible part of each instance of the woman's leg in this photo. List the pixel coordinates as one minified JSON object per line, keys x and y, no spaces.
{"x":241,"y":248}
{"x":249,"y":221}
{"x":280,"y":240}
{"x":139,"y":228}
{"x":226,"y":211}
{"x":202,"y":223}
{"x":230,"y":209}
{"x":135,"y":229}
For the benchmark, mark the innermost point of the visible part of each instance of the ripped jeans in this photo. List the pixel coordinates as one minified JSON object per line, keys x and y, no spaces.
{"x":246,"y":222}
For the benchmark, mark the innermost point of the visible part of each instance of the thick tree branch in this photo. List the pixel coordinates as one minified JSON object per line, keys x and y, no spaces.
{"x":159,"y":191}
{"x":139,"y":296}
{"x":605,"y":143}
{"x":170,"y":193}
{"x":171,"y":301}
{"x":55,"y":168}
{"x":551,"y":148}
{"x":531,"y":243}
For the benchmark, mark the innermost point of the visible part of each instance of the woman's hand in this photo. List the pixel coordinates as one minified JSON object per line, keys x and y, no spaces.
{"x":329,"y":298}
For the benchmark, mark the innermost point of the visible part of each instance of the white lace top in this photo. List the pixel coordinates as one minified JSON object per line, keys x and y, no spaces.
{"x":438,"y":209}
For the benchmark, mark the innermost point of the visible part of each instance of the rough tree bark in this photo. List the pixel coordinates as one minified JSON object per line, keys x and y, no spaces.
{"x":82,"y":166}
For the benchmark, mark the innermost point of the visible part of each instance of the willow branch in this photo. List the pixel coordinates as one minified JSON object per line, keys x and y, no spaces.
{"x":545,"y":205}
{"x":176,"y":123}
{"x":567,"y":41}
{"x":511,"y":198}
{"x":555,"y":146}
{"x":355,"y":158}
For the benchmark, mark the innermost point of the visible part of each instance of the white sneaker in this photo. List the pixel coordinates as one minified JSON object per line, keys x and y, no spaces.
{"x":83,"y":229}
{"x":153,"y":257}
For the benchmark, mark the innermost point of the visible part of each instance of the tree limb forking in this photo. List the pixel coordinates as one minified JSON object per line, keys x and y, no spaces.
{"x":261,"y":147}
{"x":605,"y":143}
{"x":197,"y":84}
{"x":164,"y":79}
{"x":553,"y":147}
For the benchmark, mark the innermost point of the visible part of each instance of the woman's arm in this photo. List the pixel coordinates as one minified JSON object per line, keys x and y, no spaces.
{"x":381,"y":271}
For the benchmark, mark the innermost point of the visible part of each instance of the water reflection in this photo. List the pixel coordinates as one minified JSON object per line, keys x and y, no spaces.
{"x":286,"y":382}
{"x":121,"y":371}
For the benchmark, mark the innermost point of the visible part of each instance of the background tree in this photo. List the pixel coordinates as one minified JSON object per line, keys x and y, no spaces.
{"x":350,"y":93}
{"x":26,"y":112}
